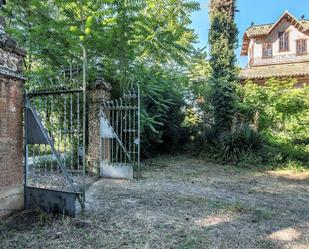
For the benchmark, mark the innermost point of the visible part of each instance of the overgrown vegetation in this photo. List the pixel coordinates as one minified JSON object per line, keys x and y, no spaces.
{"x":247,"y":124}
{"x":270,"y":127}
{"x":186,"y":96}
{"x":137,"y":41}
{"x":279,"y":112}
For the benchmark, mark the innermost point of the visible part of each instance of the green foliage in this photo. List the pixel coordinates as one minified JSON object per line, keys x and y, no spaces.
{"x":222,"y":136}
{"x":121,"y":33}
{"x":281,"y":112}
{"x":278,"y":107}
{"x":138,"y":41}
{"x":199,"y":72}
{"x":165,"y":103}
{"x":192,"y":120}
{"x":223,"y":42}
{"x":270,"y":127}
{"x":232,"y":145}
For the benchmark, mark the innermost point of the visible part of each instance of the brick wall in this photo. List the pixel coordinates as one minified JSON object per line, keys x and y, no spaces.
{"x":11,"y":126}
{"x":11,"y":105}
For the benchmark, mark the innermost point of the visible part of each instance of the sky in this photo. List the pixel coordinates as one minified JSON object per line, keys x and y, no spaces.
{"x":257,"y":11}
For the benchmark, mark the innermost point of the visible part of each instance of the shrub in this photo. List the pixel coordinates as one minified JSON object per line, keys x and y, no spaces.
{"x":165,"y":133}
{"x":280,"y":112}
{"x":238,"y":141}
{"x":232,"y":145}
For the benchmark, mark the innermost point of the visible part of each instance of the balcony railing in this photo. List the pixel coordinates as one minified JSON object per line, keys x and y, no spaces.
{"x":279,"y":59}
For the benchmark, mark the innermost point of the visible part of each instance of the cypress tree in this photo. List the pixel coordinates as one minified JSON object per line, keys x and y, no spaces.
{"x":223,"y":42}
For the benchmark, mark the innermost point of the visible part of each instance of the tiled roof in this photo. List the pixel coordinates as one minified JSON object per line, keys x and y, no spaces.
{"x":258,"y":30}
{"x":283,"y":70}
{"x":305,"y":23}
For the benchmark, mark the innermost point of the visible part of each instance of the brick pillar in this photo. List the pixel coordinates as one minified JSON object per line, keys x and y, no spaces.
{"x":100,"y":92}
{"x":11,"y":125}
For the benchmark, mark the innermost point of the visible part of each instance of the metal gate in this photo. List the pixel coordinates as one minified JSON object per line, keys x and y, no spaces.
{"x":120,"y":136}
{"x":55,"y":147}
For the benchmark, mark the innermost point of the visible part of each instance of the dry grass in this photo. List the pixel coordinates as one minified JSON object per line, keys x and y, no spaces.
{"x":179,"y":203}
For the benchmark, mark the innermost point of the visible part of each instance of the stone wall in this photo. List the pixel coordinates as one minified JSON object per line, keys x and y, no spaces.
{"x":11,"y":128}
{"x":99,"y":93}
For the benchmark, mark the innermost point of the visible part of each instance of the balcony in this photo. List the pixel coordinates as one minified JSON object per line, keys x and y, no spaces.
{"x":279,"y":59}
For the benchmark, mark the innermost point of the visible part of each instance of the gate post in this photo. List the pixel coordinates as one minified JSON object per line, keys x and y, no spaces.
{"x":11,"y":124}
{"x":97,"y":94}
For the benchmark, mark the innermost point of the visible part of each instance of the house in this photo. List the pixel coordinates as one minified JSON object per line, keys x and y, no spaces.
{"x":277,"y":50}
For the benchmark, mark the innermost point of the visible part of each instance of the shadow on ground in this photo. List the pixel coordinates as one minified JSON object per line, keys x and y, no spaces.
{"x":179,"y":203}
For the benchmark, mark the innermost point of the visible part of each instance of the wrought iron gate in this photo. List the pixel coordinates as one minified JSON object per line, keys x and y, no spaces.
{"x":120,"y":136}
{"x":55,"y":149}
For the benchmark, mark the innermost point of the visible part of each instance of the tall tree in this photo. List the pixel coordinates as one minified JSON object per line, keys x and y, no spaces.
{"x":145,"y":41}
{"x":121,"y":32}
{"x":223,"y":42}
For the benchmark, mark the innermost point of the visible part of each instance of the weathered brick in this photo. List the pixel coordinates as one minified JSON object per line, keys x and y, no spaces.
{"x":11,"y":130}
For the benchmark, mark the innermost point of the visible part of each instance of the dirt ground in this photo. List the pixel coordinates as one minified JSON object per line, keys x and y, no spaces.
{"x":179,"y":203}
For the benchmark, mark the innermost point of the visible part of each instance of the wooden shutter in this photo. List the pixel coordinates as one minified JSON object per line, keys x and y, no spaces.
{"x":267,"y":50}
{"x":304,"y":46}
{"x":301,"y":46}
{"x":286,"y":41}
{"x":270,"y":50}
{"x":264,"y":50}
{"x":251,"y":55}
{"x":280,"y":41}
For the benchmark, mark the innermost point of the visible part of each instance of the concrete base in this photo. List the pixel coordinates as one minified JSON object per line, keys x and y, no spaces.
{"x":11,"y":200}
{"x":116,"y":170}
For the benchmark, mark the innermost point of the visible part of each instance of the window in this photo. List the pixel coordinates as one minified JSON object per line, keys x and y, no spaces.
{"x":301,"y":47}
{"x":267,"y":50}
{"x":251,"y":53}
{"x":284,"y":41}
